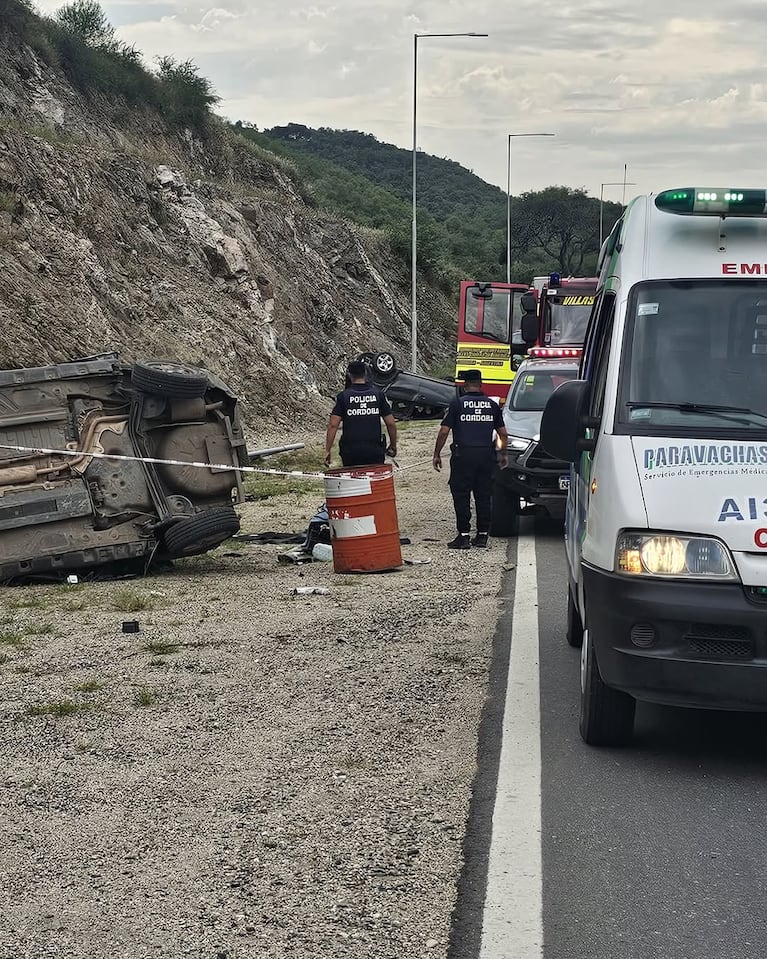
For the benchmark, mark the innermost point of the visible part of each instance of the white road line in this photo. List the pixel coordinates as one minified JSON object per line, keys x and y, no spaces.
{"x":512,"y":924}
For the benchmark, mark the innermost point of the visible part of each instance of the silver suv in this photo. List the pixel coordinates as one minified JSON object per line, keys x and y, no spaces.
{"x":533,"y":481}
{"x":64,"y":509}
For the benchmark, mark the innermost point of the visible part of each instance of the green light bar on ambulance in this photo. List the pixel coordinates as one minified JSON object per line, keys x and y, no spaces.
{"x":713,"y":201}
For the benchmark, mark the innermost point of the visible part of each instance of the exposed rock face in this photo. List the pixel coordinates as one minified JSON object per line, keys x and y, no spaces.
{"x":153,"y":244}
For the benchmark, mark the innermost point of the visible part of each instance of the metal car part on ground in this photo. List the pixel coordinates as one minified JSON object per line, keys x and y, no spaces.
{"x":533,"y":481}
{"x":79,"y":510}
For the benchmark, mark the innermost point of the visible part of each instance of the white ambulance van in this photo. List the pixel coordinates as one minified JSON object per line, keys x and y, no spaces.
{"x":666,"y":431}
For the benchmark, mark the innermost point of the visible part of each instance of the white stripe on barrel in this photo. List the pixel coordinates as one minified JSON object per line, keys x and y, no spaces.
{"x":336,"y":486}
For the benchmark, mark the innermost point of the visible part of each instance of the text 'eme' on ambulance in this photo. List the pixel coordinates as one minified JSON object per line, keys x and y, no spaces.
{"x":666,"y":431}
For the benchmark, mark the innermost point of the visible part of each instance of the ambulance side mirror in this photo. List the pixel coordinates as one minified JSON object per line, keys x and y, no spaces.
{"x":563,"y":426}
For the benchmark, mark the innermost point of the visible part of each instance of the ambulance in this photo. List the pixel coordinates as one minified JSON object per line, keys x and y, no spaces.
{"x":665,"y":429}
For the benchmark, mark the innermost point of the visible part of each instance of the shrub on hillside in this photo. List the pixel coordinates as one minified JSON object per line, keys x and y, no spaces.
{"x":187,"y":97}
{"x":114,"y":70}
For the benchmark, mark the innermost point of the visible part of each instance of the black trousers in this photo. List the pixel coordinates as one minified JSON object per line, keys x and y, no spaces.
{"x":362,"y":455}
{"x":471,"y":473}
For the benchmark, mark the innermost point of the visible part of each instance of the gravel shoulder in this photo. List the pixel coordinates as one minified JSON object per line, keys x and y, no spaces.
{"x":254,"y":773}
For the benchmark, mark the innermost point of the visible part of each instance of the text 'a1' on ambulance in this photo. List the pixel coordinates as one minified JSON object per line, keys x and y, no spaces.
{"x":666,"y":430}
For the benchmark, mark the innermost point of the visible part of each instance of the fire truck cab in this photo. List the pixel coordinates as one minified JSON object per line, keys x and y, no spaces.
{"x":559,"y":326}
{"x":490,"y":317}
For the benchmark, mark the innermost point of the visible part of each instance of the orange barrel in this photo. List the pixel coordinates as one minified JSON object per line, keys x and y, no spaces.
{"x":363,"y":519}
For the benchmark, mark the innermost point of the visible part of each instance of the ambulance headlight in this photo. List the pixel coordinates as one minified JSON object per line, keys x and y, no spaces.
{"x":686,"y":557}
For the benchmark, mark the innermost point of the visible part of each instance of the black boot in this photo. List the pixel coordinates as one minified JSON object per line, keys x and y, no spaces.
{"x":462,"y":541}
{"x":480,"y":539}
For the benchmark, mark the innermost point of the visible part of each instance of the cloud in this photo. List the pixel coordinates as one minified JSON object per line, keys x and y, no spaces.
{"x":617,"y":82}
{"x":213,"y":19}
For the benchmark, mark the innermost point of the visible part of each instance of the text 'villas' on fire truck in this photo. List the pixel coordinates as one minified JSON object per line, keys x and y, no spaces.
{"x":564,"y":306}
{"x":489,"y":332}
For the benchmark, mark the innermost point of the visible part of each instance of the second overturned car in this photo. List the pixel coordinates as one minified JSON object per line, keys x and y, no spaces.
{"x":66,"y":505}
{"x":412,"y":396}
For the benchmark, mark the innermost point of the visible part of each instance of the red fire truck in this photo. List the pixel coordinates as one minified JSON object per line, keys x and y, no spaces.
{"x":564,"y":305}
{"x":490,"y":332}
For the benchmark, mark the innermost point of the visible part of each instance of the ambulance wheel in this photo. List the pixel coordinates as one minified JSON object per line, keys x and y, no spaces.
{"x":504,"y":512}
{"x":574,"y":624}
{"x":607,"y":715}
{"x":384,"y":366}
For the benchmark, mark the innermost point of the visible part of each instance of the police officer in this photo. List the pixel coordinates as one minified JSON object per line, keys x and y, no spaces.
{"x":360,"y":408}
{"x":473,"y":417}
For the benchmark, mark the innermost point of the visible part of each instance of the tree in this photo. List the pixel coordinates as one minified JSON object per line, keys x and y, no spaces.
{"x":560,"y":221}
{"x":87,"y":20}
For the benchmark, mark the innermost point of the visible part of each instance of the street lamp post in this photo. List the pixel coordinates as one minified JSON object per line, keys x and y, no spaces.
{"x":414,"y":249}
{"x":624,"y":184}
{"x":508,"y":197}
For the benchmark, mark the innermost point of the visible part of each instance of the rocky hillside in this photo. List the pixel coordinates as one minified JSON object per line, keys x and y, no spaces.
{"x":119,"y":233}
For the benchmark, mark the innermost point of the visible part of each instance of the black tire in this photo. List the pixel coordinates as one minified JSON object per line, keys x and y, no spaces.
{"x":169,"y":378}
{"x":197,"y":534}
{"x":504,"y":512}
{"x":384,"y":366}
{"x":607,"y":715}
{"x":574,"y":624}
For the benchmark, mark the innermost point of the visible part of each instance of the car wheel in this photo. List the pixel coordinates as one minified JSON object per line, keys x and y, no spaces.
{"x":168,"y":378}
{"x":574,"y":624}
{"x":384,"y":366}
{"x":607,"y":715}
{"x":504,"y":512}
{"x":197,"y":534}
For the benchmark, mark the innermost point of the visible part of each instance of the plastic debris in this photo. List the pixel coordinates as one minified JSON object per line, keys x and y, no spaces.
{"x":309,"y":590}
{"x":295,"y":556}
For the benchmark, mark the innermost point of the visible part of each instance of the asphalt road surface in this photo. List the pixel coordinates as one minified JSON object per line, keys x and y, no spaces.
{"x":655,"y":851}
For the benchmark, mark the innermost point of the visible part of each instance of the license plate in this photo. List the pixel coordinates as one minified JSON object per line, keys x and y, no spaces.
{"x":564,"y":483}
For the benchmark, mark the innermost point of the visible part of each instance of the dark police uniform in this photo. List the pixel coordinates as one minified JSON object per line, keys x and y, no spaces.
{"x":472,"y":417}
{"x":361,"y":407}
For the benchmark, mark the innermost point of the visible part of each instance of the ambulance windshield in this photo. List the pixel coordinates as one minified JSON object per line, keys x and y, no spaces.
{"x":697,"y":356}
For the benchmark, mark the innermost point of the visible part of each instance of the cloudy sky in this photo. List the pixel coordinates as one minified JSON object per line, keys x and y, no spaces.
{"x":663,"y":93}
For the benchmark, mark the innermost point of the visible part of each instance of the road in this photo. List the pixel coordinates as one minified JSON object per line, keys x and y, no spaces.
{"x":656,"y":851}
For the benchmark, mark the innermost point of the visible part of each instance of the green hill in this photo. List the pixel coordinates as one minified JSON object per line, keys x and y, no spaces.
{"x":461,"y":218}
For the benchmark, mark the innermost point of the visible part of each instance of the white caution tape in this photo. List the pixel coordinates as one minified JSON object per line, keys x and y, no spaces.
{"x":413,"y":466}
{"x":164,"y":462}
